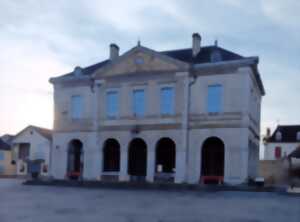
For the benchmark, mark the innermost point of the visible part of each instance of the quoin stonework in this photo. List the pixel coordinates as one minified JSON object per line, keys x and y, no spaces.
{"x":182,"y":116}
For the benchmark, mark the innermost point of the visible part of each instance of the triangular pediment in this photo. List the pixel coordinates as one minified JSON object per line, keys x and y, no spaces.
{"x":139,"y":60}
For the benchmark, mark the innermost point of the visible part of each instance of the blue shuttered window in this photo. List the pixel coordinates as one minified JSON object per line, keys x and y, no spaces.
{"x":76,"y":107}
{"x":167,"y":100}
{"x":112,"y":104}
{"x":2,"y":155}
{"x":214,"y":99}
{"x":138,"y":102}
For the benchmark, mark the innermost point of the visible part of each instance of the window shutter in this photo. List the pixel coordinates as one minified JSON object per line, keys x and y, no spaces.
{"x":167,"y":100}
{"x":76,"y":107}
{"x":112,"y":104}
{"x":139,"y":102}
{"x":214,"y":99}
{"x":278,"y":153}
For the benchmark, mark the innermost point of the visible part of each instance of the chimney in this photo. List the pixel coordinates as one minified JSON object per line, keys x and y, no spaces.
{"x":114,"y":51}
{"x":196,"y":44}
{"x":268,"y":133}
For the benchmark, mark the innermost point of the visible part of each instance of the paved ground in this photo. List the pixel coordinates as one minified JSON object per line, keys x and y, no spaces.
{"x":55,"y":204}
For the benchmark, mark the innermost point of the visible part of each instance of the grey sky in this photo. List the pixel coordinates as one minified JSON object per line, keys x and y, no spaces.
{"x":41,"y":39}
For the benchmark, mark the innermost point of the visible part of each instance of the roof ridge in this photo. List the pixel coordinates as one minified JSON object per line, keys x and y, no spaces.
{"x":190,"y":48}
{"x":38,"y":127}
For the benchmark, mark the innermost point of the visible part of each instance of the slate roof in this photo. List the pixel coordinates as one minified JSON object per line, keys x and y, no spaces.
{"x":204,"y":56}
{"x":47,"y":133}
{"x":7,"y":138}
{"x":3,"y":145}
{"x":295,"y":153}
{"x":44,"y":132}
{"x":288,"y":132}
{"x":184,"y":55}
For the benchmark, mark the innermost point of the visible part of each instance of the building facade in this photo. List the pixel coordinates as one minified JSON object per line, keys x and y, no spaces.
{"x":284,"y":140}
{"x":182,"y":116}
{"x":6,"y":166}
{"x":31,"y":144}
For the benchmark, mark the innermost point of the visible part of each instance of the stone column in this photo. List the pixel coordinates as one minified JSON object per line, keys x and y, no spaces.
{"x":180,"y":166}
{"x":150,"y":164}
{"x":123,"y":176}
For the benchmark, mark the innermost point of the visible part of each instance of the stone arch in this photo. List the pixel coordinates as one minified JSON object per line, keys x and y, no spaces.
{"x":165,"y":159}
{"x":137,"y":158}
{"x":75,"y":159}
{"x":212,"y":160}
{"x":111,"y":155}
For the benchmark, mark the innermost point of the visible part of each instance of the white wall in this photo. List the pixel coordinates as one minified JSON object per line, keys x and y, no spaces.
{"x":39,"y":145}
{"x":286,"y":149}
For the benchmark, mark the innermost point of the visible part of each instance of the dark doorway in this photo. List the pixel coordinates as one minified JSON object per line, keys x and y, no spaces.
{"x":212,"y":169}
{"x":165,"y":155}
{"x":24,"y":151}
{"x":75,"y":159}
{"x":111,"y":155}
{"x":137,"y":158}
{"x":165,"y":160}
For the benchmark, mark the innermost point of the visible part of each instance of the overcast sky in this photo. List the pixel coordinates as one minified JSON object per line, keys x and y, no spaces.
{"x":42,"y":39}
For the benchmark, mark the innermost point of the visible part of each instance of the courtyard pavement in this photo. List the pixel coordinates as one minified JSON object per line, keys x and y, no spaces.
{"x":67,"y":204}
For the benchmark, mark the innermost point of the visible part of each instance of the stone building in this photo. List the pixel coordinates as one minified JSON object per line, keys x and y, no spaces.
{"x":185,"y":116}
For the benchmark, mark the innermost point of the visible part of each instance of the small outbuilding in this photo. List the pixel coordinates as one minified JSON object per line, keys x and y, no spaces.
{"x":30,"y":144}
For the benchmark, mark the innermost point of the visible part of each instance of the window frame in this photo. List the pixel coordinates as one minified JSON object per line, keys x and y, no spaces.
{"x":72,"y":113}
{"x":221,"y":99}
{"x":117,"y":113}
{"x":278,"y":136}
{"x":172,"y":111}
{"x":133,"y":110}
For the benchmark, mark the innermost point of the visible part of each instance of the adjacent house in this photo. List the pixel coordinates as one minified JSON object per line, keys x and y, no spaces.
{"x":284,"y":140}
{"x":281,"y":155}
{"x":187,"y":115}
{"x":7,"y":168}
{"x":32,"y":143}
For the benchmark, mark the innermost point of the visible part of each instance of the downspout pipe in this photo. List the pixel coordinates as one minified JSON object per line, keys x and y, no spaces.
{"x":188,"y":82}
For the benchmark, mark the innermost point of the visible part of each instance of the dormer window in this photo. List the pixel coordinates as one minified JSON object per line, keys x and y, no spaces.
{"x":77,"y":71}
{"x":298,"y":136}
{"x":278,"y":136}
{"x":215,"y":56}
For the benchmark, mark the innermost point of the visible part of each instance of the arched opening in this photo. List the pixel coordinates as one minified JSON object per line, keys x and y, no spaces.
{"x":111,"y":156}
{"x":165,"y":160}
{"x":212,"y":167}
{"x":137,"y":159}
{"x":75,"y":159}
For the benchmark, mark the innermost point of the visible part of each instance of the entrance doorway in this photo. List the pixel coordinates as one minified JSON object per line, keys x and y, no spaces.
{"x":165,"y":160}
{"x":212,"y":167}
{"x":137,"y":159}
{"x":75,"y":159}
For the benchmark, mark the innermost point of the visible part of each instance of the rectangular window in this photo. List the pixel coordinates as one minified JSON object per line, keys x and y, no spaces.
{"x":167,"y":100}
{"x":2,"y":169}
{"x":76,"y":107}
{"x":138,"y":102}
{"x":214,"y":99}
{"x":2,"y":155}
{"x":39,"y":152}
{"x":112,"y":104}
